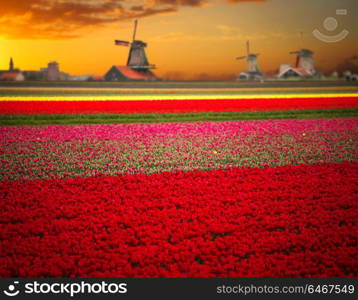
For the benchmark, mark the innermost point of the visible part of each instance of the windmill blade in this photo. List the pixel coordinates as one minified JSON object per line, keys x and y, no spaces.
{"x":241,"y":57}
{"x":248,"y":47}
{"x":256,"y":54}
{"x":294,"y":52}
{"x":121,"y":43}
{"x":135,"y":29}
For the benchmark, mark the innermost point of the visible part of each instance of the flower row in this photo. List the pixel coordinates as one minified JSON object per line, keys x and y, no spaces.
{"x":293,"y":221}
{"x":174,"y":106}
{"x":38,"y":152}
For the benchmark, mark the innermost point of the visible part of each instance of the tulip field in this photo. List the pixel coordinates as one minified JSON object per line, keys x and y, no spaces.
{"x":254,"y":184}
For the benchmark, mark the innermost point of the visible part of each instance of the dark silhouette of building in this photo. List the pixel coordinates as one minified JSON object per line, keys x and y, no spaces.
{"x":11,"y":65}
{"x":53,"y":71}
{"x":11,"y":74}
{"x":138,"y":66}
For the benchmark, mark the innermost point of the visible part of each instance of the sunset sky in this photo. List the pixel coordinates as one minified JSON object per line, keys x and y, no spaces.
{"x":187,"y":39}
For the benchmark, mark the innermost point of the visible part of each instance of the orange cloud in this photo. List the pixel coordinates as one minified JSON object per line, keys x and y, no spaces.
{"x":182,"y":2}
{"x":56,"y":19}
{"x":63,"y":19}
{"x":240,"y":1}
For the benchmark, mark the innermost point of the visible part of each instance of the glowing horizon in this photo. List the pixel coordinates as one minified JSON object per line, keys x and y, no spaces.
{"x":187,"y":39}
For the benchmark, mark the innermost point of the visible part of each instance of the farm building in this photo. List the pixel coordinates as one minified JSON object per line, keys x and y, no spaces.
{"x":122,"y":73}
{"x":304,"y":67}
{"x":12,"y":76}
{"x":287,"y":71}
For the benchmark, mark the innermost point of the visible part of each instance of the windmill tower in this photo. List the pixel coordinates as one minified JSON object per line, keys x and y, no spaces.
{"x":137,"y":58}
{"x":253,"y":71}
{"x":304,"y":60}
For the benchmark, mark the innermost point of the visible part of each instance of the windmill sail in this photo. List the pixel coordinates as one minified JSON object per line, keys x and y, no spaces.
{"x":135,"y":29}
{"x":121,"y":43}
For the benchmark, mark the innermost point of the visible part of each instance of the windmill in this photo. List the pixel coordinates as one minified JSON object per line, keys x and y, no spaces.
{"x":137,"y":58}
{"x":304,"y":60}
{"x":253,"y":72}
{"x":138,"y":67}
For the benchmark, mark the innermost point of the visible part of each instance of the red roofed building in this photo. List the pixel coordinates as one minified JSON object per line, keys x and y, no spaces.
{"x":287,"y":71}
{"x":96,"y":78}
{"x":12,"y":76}
{"x":304,"y":67}
{"x":121,"y":73}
